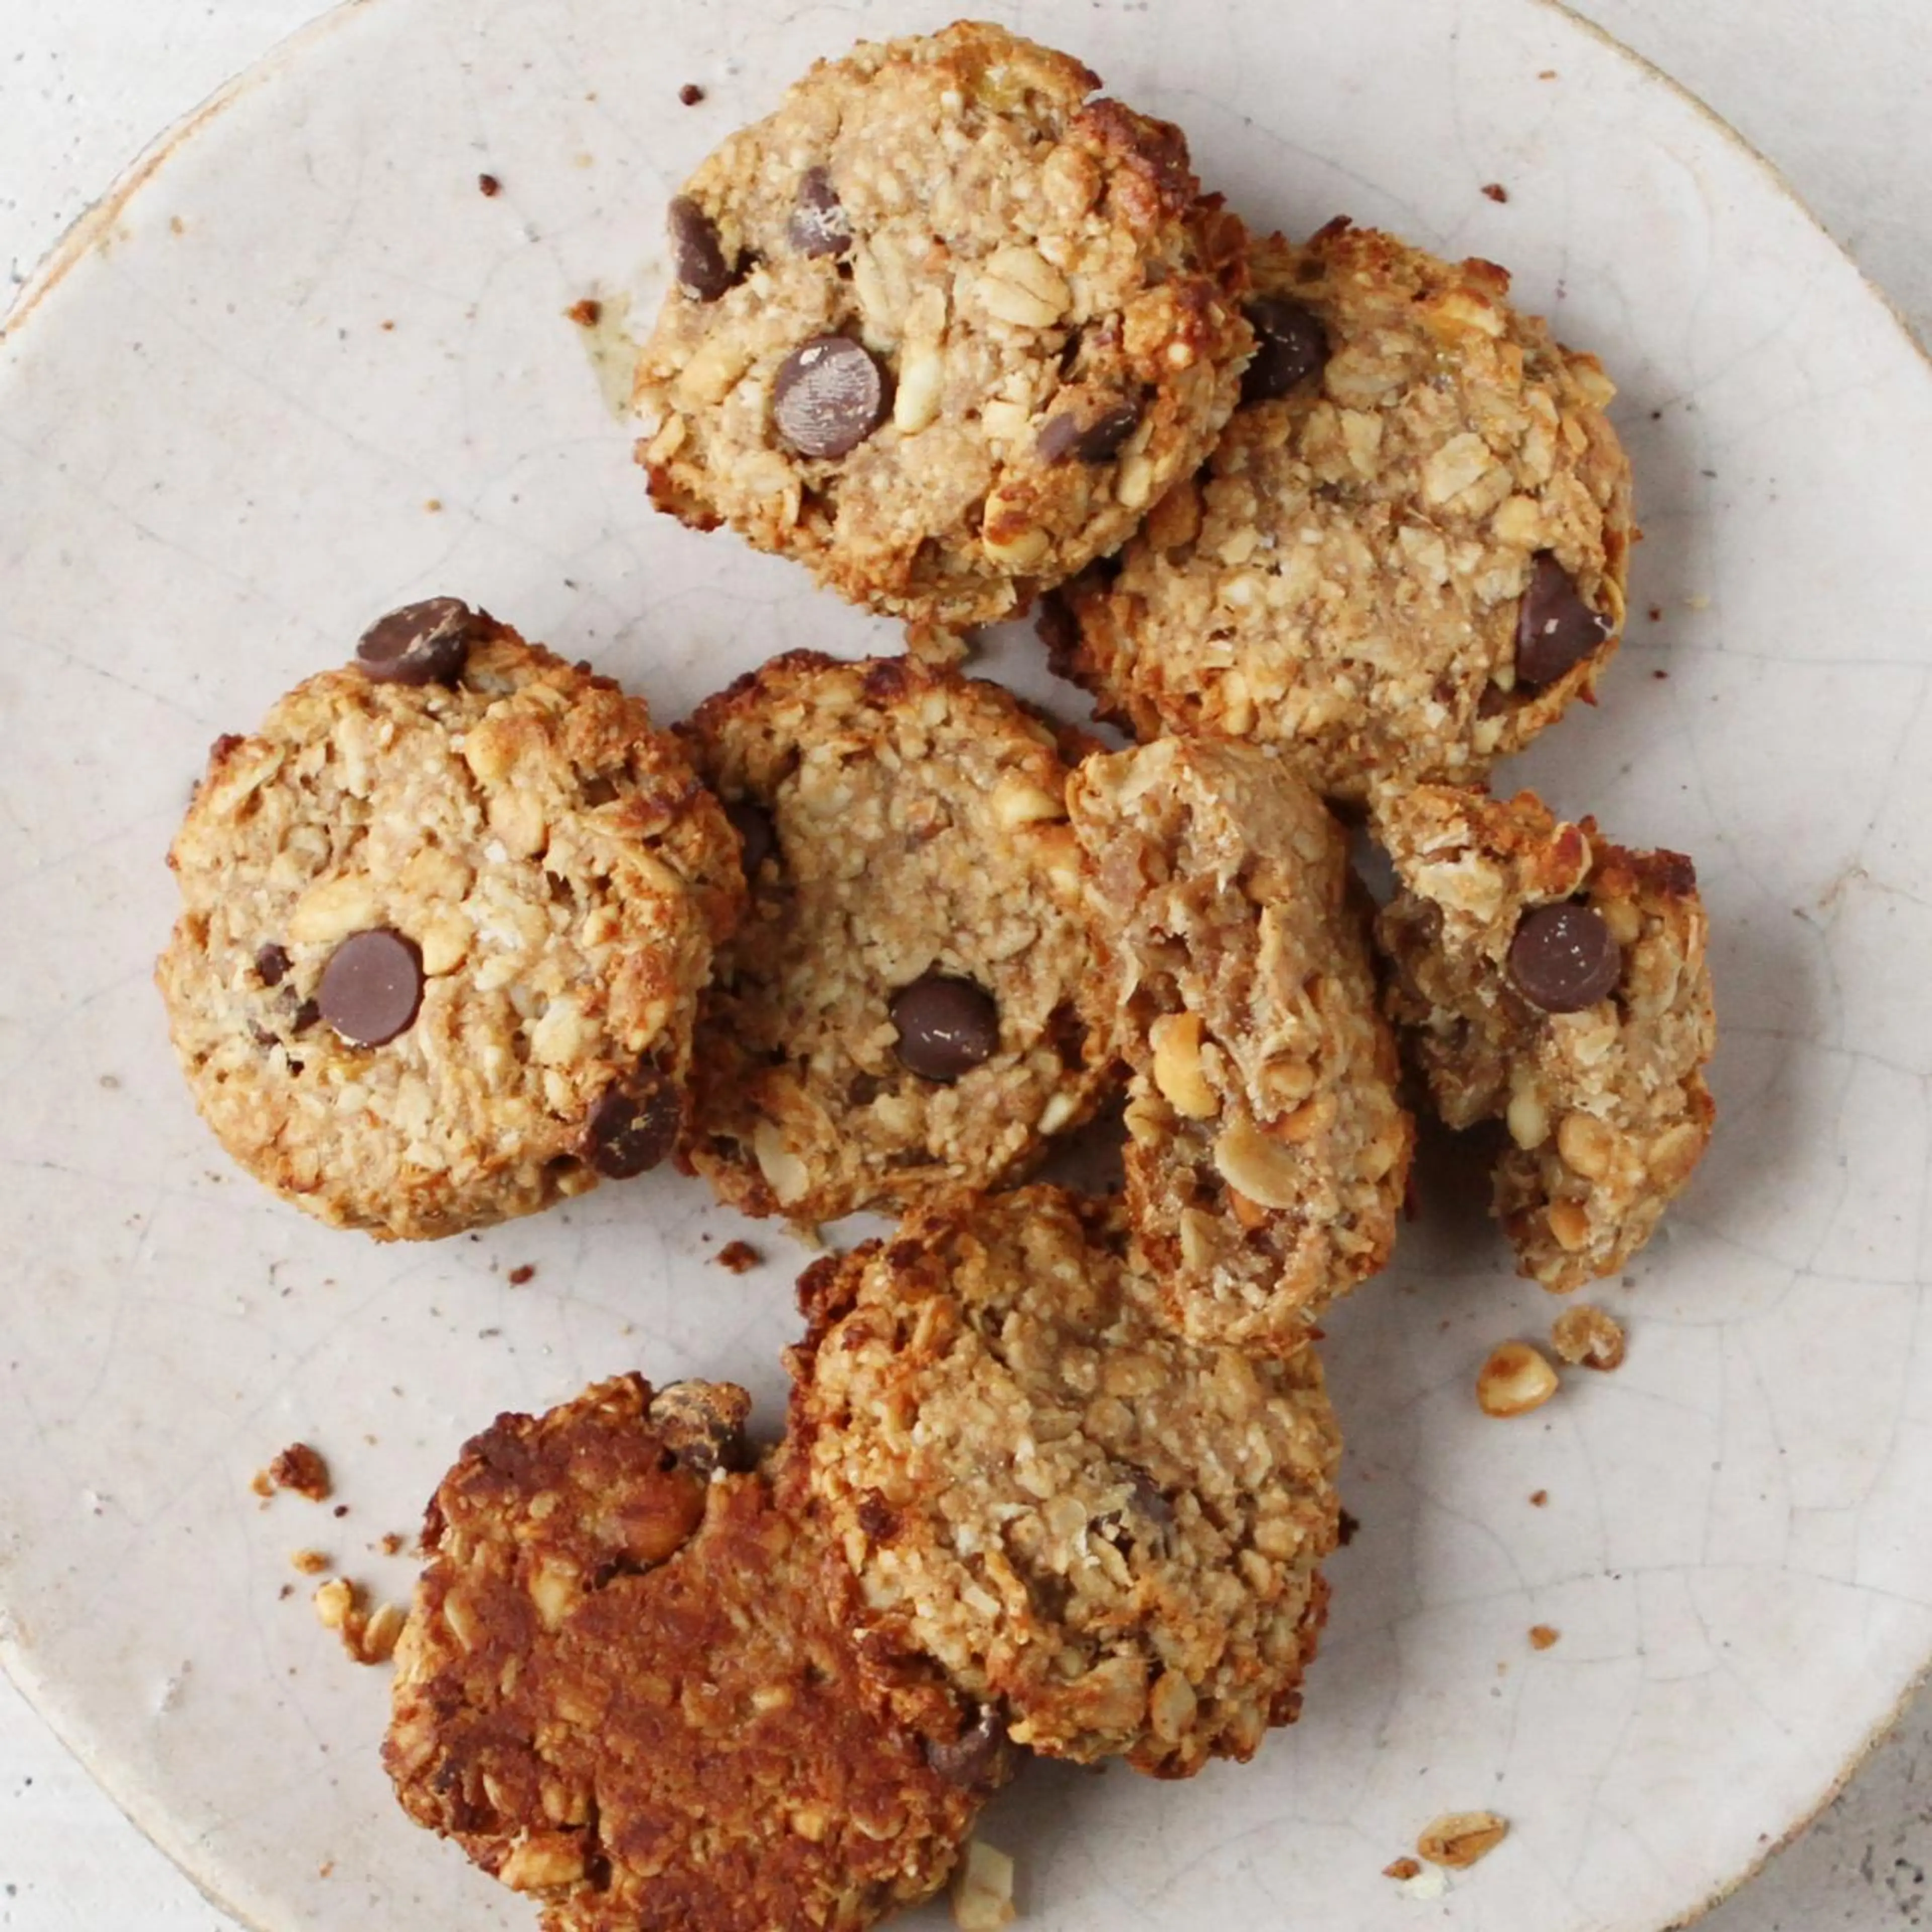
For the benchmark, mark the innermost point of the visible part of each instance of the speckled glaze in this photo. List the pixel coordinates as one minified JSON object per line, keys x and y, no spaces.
{"x":218,"y":462}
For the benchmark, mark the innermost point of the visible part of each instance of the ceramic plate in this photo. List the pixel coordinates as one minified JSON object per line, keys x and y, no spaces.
{"x":301,"y":369}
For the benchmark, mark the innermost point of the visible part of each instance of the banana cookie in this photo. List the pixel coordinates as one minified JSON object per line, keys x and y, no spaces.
{"x":446,"y":918}
{"x":625,"y":1690}
{"x":1547,"y":978}
{"x":1108,"y":1534}
{"x":1407,"y":553}
{"x":942,"y":327}
{"x":1267,"y":1151}
{"x":900,"y":1009}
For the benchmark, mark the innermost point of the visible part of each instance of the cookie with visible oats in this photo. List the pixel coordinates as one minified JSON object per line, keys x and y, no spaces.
{"x":1266,"y":1151}
{"x":445,"y":919}
{"x":900,"y":1009}
{"x":626,"y":1687}
{"x":1109,"y":1535}
{"x":1406,"y":555}
{"x":1547,"y":978}
{"x":942,"y":327}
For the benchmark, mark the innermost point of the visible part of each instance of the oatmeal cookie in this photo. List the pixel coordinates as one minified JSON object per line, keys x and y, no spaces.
{"x":1547,"y":978}
{"x":446,"y":916}
{"x":1109,"y":1533}
{"x":1406,"y":555}
{"x":899,"y":1010}
{"x":1266,"y":1151}
{"x":942,"y":327}
{"x":624,"y":1689}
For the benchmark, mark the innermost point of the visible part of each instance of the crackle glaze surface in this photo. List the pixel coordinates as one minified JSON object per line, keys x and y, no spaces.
{"x":306,"y":371}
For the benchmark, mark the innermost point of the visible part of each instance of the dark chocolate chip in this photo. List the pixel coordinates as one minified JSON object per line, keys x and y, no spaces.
{"x":757,"y":838}
{"x":946,"y":1027}
{"x":1290,"y":346}
{"x":876,"y":1517}
{"x":697,"y":258}
{"x":977,"y":1758}
{"x":421,"y":643}
{"x":1564,"y":958}
{"x":304,"y":1016}
{"x":1100,"y":441}
{"x":1555,"y":628}
{"x":271,"y":964}
{"x":632,"y":1127}
{"x":819,"y":225}
{"x":372,"y":986}
{"x":829,"y":396}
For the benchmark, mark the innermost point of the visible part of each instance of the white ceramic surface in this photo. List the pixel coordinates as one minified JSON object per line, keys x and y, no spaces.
{"x":216,"y":463}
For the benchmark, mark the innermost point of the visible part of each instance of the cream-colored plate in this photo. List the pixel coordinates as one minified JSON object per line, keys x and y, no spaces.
{"x":303,"y":369}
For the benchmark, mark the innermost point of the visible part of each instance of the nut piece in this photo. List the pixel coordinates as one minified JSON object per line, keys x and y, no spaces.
{"x":1515,"y":1379}
{"x":1251,"y":1164}
{"x":1458,"y":1838}
{"x":1176,"y":1040}
{"x":982,"y":1889}
{"x":1588,"y":1338}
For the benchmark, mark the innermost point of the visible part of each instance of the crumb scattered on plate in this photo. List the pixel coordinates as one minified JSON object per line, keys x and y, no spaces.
{"x":738,"y":1257}
{"x":1458,"y":1839}
{"x":1515,"y":1379}
{"x":298,"y":1467}
{"x":1588,"y":1338}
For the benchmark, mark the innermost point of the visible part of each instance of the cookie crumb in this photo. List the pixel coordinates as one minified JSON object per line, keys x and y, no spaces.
{"x":586,"y":313}
{"x":690,"y":93}
{"x":367,"y":1637}
{"x":982,"y":1889}
{"x":1401,"y":1868}
{"x":1546,"y":73}
{"x":1515,"y":1379}
{"x":524,"y":1272}
{"x":1495,"y":191}
{"x":392,"y":1543}
{"x":1346,"y":1527}
{"x":1542,"y":1635}
{"x":1655,"y":613}
{"x":433,"y":505}
{"x":738,"y":1257}
{"x":310,"y":1562}
{"x":326,"y":1869}
{"x":1660,"y":675}
{"x":1537,"y":1498}
{"x":489,"y":187}
{"x":1458,"y":1839}
{"x":1586,"y":1337}
{"x":298,"y":1467}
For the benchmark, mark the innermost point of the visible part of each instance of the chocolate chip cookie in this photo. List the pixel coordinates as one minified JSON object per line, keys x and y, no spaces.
{"x":445,"y":918}
{"x":1549,"y":979}
{"x":1267,"y":1151}
{"x":900,"y":1010}
{"x":942,"y":327}
{"x":1406,"y":555}
{"x":1108,"y":1533}
{"x":626,"y":1688}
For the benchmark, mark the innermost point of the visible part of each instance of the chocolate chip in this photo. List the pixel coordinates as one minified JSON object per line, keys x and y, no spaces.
{"x":819,"y":225}
{"x":757,"y":838}
{"x":1290,"y":346}
{"x":947,"y":1026}
{"x":632,"y":1127}
{"x":977,"y":1758}
{"x":829,"y":396}
{"x":1100,"y":441}
{"x":372,"y":986}
{"x":698,"y":260}
{"x":271,"y":964}
{"x":1564,"y":958}
{"x":1555,"y":628}
{"x":421,"y":643}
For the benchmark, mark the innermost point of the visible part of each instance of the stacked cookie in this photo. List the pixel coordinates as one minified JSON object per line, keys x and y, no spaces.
{"x":1326,"y":527}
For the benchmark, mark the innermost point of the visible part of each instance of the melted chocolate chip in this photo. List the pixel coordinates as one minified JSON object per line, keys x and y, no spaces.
{"x":819,"y":225}
{"x":632,"y":1128}
{"x":272,"y":965}
{"x":829,"y":397}
{"x":947,"y":1026}
{"x":1100,"y":442}
{"x":1564,"y":958}
{"x":1290,"y":346}
{"x":372,"y":986}
{"x":421,"y":643}
{"x":1555,"y":628}
{"x":757,"y":838}
{"x":697,"y":258}
{"x":976,"y":1759}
